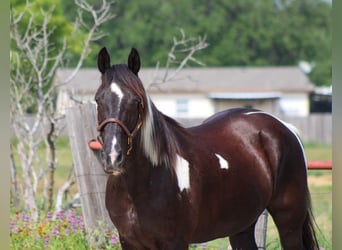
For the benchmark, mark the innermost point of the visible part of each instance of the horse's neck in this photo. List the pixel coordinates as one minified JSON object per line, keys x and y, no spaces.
{"x":142,"y":177}
{"x":154,"y":164}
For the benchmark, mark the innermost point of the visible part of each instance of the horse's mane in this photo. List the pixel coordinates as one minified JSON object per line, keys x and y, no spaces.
{"x":161,"y":137}
{"x":158,"y":131}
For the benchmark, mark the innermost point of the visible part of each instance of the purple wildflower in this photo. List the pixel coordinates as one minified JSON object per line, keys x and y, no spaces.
{"x":60,"y":214}
{"x":114,"y":239}
{"x":73,"y":221}
{"x":25,"y":218}
{"x":12,"y":224}
{"x":49,"y":216}
{"x":46,"y":241}
{"x":80,"y":222}
{"x":82,"y":226}
{"x":55,"y":231}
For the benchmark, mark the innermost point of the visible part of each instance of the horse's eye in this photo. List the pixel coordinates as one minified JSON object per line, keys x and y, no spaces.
{"x":137,"y":100}
{"x":97,"y":99}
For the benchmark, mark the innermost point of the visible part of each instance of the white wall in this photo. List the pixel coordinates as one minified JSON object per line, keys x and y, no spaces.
{"x":197,"y":105}
{"x":200,"y":106}
{"x":294,"y":104}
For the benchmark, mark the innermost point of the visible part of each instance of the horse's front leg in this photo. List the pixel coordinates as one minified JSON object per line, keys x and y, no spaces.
{"x":126,"y":245}
{"x":175,"y":245}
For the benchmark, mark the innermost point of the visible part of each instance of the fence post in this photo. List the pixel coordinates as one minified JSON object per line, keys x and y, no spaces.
{"x":91,"y":179}
{"x":261,"y":230}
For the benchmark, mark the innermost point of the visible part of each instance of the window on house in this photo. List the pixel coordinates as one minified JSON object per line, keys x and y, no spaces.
{"x":182,"y":107}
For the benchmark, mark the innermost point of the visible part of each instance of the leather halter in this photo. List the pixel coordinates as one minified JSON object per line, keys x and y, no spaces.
{"x":130,"y":134}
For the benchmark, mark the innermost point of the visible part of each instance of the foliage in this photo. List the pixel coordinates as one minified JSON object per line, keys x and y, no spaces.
{"x":59,"y":27}
{"x":66,"y":231}
{"x":240,"y":33}
{"x":41,"y":39}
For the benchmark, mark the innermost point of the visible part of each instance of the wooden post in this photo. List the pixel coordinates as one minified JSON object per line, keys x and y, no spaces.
{"x":261,"y":230}
{"x":91,"y":179}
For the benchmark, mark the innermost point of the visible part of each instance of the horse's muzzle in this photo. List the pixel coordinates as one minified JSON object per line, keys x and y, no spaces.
{"x":112,"y":162}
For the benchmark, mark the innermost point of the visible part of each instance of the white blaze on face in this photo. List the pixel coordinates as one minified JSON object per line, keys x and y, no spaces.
{"x":183,"y":173}
{"x":113,"y":154}
{"x":223,"y":163}
{"x":114,"y":87}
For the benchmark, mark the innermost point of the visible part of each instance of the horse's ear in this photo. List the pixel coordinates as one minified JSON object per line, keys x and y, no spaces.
{"x":134,"y":61}
{"x":103,"y":60}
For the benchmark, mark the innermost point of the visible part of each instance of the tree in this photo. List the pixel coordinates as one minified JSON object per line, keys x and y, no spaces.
{"x":181,"y":53}
{"x":37,"y":51}
{"x":240,"y":33}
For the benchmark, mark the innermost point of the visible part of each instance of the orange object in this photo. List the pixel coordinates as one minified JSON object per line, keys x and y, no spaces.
{"x":95,"y":145}
{"x":320,"y":165}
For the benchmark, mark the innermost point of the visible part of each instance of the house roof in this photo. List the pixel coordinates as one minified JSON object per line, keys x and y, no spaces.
{"x":204,"y":80}
{"x":245,"y":95}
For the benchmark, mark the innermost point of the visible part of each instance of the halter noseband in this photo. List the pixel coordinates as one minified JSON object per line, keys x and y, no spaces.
{"x":129,"y":134}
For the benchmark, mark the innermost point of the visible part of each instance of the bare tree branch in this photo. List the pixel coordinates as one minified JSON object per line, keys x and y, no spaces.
{"x":62,"y":192}
{"x":35,"y":59}
{"x":183,"y":48}
{"x":14,"y":182}
{"x":99,"y":16}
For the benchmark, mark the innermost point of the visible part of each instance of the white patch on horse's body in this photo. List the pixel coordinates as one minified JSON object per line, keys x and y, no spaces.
{"x":183,"y":173}
{"x":223,"y":163}
{"x":290,"y":126}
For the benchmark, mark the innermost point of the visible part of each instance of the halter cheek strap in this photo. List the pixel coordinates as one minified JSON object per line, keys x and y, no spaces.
{"x":129,"y":134}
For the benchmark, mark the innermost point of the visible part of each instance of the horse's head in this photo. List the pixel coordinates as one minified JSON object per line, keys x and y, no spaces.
{"x":120,"y":105}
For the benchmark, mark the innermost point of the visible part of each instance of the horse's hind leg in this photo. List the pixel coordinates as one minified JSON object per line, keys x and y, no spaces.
{"x":290,"y":229}
{"x":289,"y":216}
{"x":244,"y":240}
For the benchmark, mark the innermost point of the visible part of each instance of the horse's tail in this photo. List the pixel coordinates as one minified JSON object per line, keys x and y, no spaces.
{"x":309,"y":235}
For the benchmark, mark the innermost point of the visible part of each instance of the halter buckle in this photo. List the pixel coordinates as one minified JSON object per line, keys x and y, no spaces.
{"x":130,"y":145}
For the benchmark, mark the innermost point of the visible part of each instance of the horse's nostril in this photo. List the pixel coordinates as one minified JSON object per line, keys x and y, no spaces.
{"x":115,"y":159}
{"x":119,"y":158}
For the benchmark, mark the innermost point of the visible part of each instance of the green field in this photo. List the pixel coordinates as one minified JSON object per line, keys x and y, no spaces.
{"x":319,"y":181}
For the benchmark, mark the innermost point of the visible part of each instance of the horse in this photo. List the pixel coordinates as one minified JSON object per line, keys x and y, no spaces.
{"x":169,"y":186}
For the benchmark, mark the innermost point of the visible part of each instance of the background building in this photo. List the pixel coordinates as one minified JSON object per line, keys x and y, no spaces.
{"x":197,"y":93}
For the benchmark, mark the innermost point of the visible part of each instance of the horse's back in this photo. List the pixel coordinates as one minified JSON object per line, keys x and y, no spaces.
{"x":243,"y":132}
{"x":245,"y":124}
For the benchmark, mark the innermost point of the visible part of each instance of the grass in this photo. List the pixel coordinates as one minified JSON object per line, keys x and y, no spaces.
{"x":26,"y":234}
{"x":321,"y":196}
{"x":318,"y":151}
